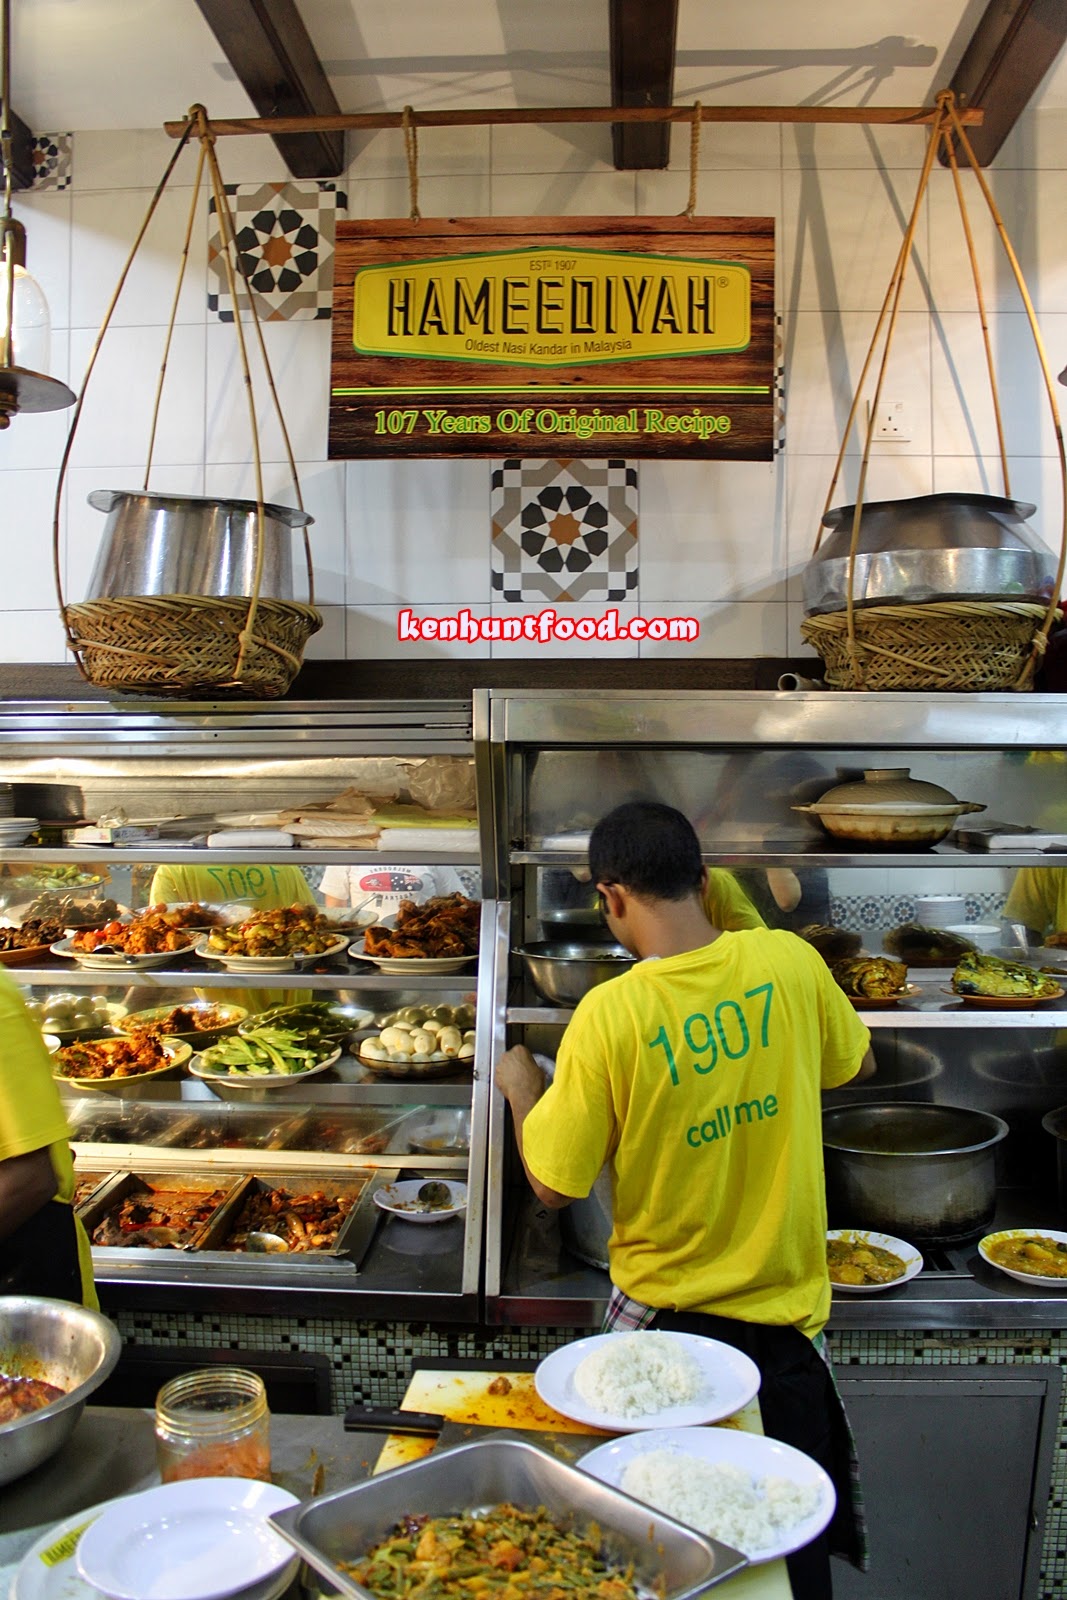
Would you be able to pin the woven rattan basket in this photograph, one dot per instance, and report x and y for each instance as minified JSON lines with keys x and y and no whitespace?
{"x":948,"y":645}
{"x":188,"y":644}
{"x":184,"y":645}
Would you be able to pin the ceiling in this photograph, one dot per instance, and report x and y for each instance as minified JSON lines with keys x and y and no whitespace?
{"x":99,"y":64}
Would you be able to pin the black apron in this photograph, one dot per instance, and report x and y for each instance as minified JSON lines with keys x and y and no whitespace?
{"x":41,"y":1257}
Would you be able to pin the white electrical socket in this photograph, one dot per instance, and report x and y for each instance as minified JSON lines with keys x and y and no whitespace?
{"x":892,"y":423}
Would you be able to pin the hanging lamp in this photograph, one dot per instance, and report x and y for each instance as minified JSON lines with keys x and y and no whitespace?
{"x":25,"y":326}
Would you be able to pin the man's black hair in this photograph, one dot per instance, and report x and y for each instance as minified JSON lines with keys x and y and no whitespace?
{"x":648,"y":848}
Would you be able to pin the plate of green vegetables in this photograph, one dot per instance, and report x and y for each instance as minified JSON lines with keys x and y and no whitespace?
{"x":264,"y":1058}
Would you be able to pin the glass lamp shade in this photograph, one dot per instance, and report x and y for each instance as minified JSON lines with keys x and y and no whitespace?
{"x":30,"y":345}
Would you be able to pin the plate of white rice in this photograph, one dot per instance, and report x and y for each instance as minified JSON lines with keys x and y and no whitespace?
{"x":756,"y":1494}
{"x":629,"y":1381}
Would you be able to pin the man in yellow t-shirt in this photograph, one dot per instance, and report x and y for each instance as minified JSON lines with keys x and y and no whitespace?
{"x":697,"y":1075}
{"x":43,"y":1247}
{"x":1038,"y":899}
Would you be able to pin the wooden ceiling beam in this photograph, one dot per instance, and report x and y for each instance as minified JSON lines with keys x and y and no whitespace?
{"x":1009,"y":53}
{"x":270,"y":50}
{"x":643,"y":38}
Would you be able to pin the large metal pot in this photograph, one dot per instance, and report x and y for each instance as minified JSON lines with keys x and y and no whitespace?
{"x":926,"y":1173}
{"x":931,"y":547}
{"x":157,"y":544}
{"x":60,"y":1343}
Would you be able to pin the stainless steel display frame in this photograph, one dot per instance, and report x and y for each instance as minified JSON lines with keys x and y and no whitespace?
{"x":510,"y":725}
{"x":68,"y":742}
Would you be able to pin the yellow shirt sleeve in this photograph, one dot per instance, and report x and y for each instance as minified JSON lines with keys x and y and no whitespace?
{"x":572,"y":1130}
{"x":726,"y":905}
{"x":31,"y":1112}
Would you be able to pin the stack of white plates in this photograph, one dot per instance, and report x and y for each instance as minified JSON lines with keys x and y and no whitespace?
{"x":16,"y":830}
{"x":198,"y":1539}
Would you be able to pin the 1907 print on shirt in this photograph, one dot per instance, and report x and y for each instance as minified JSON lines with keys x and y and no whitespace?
{"x":727,"y":1035}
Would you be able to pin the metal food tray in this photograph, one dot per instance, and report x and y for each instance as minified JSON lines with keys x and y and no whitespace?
{"x":352,"y":1237}
{"x":93,"y":1122}
{"x":234,"y":1127}
{"x":668,"y":1559}
{"x":350,"y":1128}
{"x":120,"y":1184}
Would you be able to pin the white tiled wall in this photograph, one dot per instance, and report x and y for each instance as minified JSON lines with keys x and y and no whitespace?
{"x":724,"y":542}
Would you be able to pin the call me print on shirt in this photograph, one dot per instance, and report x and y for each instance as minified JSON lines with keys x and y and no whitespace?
{"x":728,"y":1034}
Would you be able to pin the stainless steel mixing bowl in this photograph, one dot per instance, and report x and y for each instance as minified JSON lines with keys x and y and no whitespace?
{"x":562,"y":973}
{"x":59,"y":1343}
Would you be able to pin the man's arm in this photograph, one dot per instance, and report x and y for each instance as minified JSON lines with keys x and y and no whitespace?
{"x":27,"y":1183}
{"x":522,"y":1083}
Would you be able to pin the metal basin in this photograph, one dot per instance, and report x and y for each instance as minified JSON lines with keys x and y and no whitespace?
{"x":922,"y":1172}
{"x":156,"y":544}
{"x":59,"y":1343}
{"x":562,"y":973}
{"x":668,"y":1559}
{"x":931,"y":547}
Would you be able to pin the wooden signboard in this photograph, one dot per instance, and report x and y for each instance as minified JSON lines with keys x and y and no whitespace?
{"x":534,"y":336}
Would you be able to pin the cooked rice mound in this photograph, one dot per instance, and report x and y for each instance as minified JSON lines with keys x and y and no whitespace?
{"x":719,"y":1499}
{"x":634,"y":1374}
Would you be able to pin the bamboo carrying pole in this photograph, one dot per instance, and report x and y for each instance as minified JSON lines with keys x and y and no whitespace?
{"x":947,"y":127}
{"x":342,"y":122}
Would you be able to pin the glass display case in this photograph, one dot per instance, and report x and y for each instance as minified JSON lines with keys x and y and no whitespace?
{"x":230,"y":1190}
{"x":740,"y":764}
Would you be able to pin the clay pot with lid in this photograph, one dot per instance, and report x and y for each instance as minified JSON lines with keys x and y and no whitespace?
{"x":888,"y":807}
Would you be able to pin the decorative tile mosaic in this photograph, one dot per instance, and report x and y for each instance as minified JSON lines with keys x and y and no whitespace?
{"x":285,"y":236}
{"x":52,"y":160}
{"x":861,"y":911}
{"x":564,"y":530}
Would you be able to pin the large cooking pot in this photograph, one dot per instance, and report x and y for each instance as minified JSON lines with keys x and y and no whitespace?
{"x":931,"y":547}
{"x":159,"y":544}
{"x":925,"y":1173}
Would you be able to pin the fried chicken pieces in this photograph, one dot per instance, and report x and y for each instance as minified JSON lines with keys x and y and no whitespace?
{"x":447,"y":925}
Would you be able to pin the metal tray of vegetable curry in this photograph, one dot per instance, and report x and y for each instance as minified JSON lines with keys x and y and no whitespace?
{"x":255,"y":1218}
{"x":120,"y":1216}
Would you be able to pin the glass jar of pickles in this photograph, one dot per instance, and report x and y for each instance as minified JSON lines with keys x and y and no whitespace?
{"x":213,"y":1423}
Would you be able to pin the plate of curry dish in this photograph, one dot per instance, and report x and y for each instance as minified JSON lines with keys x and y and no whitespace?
{"x":131,"y":1058}
{"x":440,"y":935}
{"x":982,"y":980}
{"x":873,"y":981}
{"x":1030,"y":1255}
{"x":860,"y":1262}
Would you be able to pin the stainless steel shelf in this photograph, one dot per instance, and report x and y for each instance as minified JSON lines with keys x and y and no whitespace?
{"x":734,"y":854}
{"x":184,"y":978}
{"x":199,"y":856}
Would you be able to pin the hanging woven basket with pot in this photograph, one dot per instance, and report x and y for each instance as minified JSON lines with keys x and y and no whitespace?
{"x":970,"y":642}
{"x":200,"y":639}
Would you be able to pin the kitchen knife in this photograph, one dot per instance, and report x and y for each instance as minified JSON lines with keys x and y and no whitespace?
{"x":390,"y":1419}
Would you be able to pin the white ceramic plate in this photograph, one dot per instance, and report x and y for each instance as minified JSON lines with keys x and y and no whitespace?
{"x":48,"y":1570}
{"x":912,"y":1259}
{"x":1022,"y":1233}
{"x":237,"y":963}
{"x":199,"y":1539}
{"x":399,"y":1198}
{"x":730,"y":1382}
{"x":412,"y":966}
{"x":756,"y":1455}
{"x":91,"y":958}
{"x":252,"y":1080}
